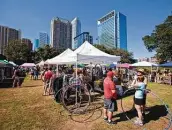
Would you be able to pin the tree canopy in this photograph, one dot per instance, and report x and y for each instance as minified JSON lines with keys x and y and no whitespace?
{"x":126,"y":57}
{"x":17,"y":51}
{"x":46,"y":52}
{"x":160,"y":40}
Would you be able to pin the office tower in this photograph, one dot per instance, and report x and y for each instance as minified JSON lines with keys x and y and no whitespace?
{"x":81,"y":38}
{"x":6,"y":35}
{"x":112,"y":30}
{"x":36,"y":44}
{"x":43,"y":39}
{"x":61,"y":33}
{"x":76,"y":30}
{"x":28,"y":43}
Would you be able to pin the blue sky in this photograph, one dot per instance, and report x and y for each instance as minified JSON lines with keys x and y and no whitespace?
{"x":34,"y":16}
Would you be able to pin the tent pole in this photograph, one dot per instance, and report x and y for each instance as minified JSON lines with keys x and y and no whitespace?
{"x":57,"y":68}
{"x":76,"y":98}
{"x":76,"y":65}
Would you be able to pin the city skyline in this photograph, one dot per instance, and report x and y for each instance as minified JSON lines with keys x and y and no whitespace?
{"x":142,"y":17}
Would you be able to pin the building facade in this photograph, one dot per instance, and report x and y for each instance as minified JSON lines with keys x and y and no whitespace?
{"x":112,"y":30}
{"x":61,"y":33}
{"x":81,"y":38}
{"x":36,"y":44}
{"x":6,"y":35}
{"x":76,"y":30}
{"x":43,"y":39}
{"x":28,"y":43}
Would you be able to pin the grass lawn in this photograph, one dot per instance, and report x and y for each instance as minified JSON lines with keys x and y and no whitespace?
{"x":26,"y":109}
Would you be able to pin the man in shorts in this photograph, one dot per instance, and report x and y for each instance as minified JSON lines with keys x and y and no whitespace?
{"x":110,"y":95}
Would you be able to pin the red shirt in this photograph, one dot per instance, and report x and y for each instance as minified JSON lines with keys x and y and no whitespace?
{"x":108,"y":87}
{"x":48,"y":75}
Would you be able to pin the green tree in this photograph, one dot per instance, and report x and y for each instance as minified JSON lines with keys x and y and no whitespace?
{"x":45,"y":52}
{"x":126,"y":57}
{"x":17,"y":51}
{"x":160,"y":40}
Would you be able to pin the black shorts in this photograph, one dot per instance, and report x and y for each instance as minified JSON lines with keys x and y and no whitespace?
{"x":110,"y":105}
{"x":142,"y":102}
{"x":139,"y":101}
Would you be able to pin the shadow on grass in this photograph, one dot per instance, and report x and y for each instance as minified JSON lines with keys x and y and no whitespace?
{"x":30,"y":86}
{"x":154,"y":113}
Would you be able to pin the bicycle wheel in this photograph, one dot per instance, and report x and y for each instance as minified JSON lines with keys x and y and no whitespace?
{"x":76,"y":98}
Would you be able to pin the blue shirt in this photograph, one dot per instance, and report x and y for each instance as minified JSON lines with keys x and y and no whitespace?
{"x":140,"y":92}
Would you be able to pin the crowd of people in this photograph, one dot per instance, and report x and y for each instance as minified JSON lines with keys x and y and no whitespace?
{"x":112,"y":80}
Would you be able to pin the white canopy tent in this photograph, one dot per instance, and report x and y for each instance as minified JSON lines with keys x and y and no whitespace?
{"x":144,"y":64}
{"x":41,"y":63}
{"x":68,"y":56}
{"x":28,"y":65}
{"x":86,"y":54}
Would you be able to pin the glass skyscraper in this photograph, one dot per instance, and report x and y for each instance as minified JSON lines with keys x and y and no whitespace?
{"x":36,"y":44}
{"x":43,"y":39}
{"x":112,"y":30}
{"x":81,"y":38}
{"x":76,"y":30}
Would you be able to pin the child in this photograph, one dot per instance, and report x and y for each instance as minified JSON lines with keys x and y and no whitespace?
{"x":139,"y":99}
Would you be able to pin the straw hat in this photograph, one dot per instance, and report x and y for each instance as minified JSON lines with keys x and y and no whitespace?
{"x":141,"y":71}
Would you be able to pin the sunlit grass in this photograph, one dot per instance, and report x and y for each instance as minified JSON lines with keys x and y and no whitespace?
{"x":26,"y":109}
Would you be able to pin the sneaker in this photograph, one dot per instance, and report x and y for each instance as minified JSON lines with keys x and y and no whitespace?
{"x":105,"y":119}
{"x":111,"y":122}
{"x":137,"y":122}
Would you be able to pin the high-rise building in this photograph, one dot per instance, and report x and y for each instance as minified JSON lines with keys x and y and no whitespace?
{"x":36,"y":44}
{"x":28,"y":43}
{"x":81,"y":38}
{"x":6,"y":35}
{"x":61,"y":33}
{"x":76,"y":30}
{"x":112,"y":30}
{"x":43,"y":39}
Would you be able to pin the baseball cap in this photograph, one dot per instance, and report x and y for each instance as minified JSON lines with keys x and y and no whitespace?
{"x":110,"y":74}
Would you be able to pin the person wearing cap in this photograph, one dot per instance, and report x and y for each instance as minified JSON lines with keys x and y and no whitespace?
{"x":110,"y":96}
